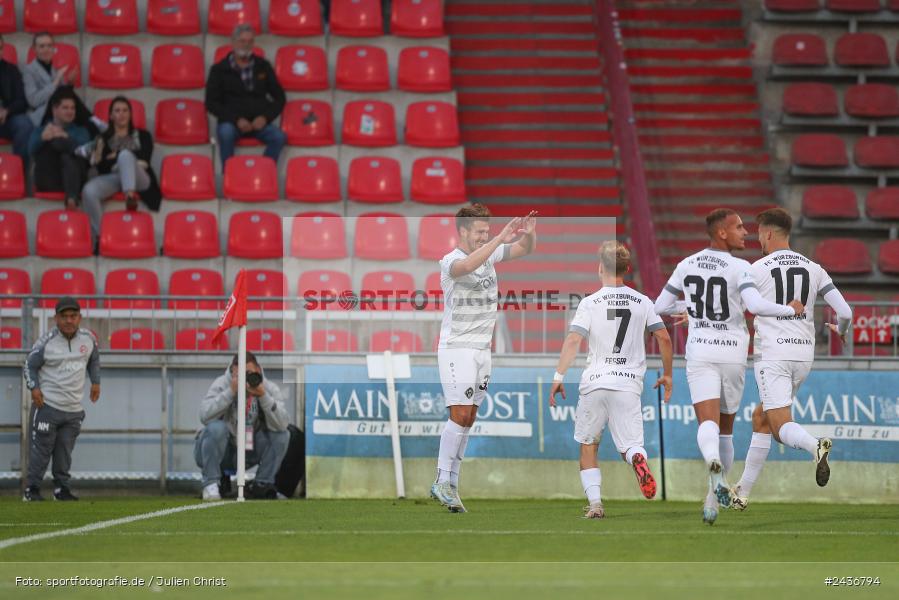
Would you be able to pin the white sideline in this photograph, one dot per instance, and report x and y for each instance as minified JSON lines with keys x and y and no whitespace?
{"x":104,"y":524}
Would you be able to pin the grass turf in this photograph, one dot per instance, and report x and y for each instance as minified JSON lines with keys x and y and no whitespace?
{"x":396,"y":549}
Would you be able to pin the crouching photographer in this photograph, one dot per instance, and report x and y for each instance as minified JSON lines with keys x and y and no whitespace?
{"x":266,"y":418}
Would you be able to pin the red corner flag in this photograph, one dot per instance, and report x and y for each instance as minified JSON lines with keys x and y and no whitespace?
{"x":235,"y":314}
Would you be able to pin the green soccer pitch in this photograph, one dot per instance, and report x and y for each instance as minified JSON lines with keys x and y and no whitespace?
{"x":416,"y":549}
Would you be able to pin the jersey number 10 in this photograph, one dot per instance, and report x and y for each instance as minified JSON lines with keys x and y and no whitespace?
{"x":791,"y":275}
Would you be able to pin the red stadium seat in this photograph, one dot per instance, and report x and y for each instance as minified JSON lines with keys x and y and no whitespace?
{"x":177,"y":67}
{"x":312,"y":179}
{"x":872,"y":100}
{"x":200,"y":340}
{"x":10,"y":54}
{"x":13,"y":281}
{"x":853,"y":6}
{"x":799,"y":50}
{"x":323,"y":287}
{"x":173,"y":17}
{"x":888,"y":257}
{"x":434,"y":291}
{"x":111,"y":17}
{"x":222,"y":52}
{"x":437,"y":236}
{"x":181,"y":122}
{"x":432,"y":125}
{"x":893,"y":5}
{"x":824,"y":150}
{"x":255,"y":234}
{"x":115,"y":66}
{"x":132,"y":282}
{"x":194,"y":283}
{"x":302,"y":68}
{"x":362,"y":69}
{"x":424,"y":69}
{"x":68,"y":282}
{"x":395,"y":340}
{"x":225,"y":15}
{"x":438,"y":180}
{"x":12,"y":177}
{"x":318,"y":235}
{"x":830,"y":202}
{"x":883,"y":204}
{"x":843,"y":256}
{"x":381,"y":236}
{"x":334,"y":340}
{"x":369,"y":123}
{"x":861,"y":50}
{"x":386,"y":290}
{"x":7,"y":16}
{"x":127,"y":234}
{"x":251,"y":179}
{"x":10,"y":338}
{"x":792,"y":6}
{"x":138,"y":338}
{"x":416,"y":18}
{"x":64,"y":234}
{"x":266,"y":283}
{"x":811,"y":99}
{"x":191,"y":234}
{"x":66,"y":55}
{"x":13,"y":234}
{"x":52,"y":16}
{"x":295,"y":18}
{"x":356,"y":18}
{"x":187,"y":177}
{"x":877,"y":152}
{"x":375,"y":179}
{"x":308,"y":123}
{"x":138,"y":111}
{"x":269,"y":340}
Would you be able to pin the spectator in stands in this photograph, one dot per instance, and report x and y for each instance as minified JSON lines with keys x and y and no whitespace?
{"x":14,"y":122}
{"x":121,"y":155}
{"x":243,"y":93}
{"x":57,"y":167}
{"x":42,"y":80}
{"x":267,"y":418}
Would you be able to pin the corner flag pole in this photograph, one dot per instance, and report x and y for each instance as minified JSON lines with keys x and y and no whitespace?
{"x":241,"y":411}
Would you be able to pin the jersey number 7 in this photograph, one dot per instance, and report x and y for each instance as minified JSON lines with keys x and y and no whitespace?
{"x":625,"y":315}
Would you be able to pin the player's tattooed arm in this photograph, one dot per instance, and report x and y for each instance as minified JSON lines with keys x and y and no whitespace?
{"x":667,"y":350}
{"x":528,"y":241}
{"x":569,"y":353}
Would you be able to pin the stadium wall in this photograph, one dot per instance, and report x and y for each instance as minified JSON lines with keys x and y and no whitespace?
{"x":523,"y":447}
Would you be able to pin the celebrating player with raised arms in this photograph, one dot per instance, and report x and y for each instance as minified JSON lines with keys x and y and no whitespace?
{"x":785,"y":347}
{"x":468,"y":279}
{"x":718,"y":288}
{"x":614,"y":320}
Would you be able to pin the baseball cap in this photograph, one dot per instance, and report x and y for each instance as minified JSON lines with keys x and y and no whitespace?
{"x":67,"y":303}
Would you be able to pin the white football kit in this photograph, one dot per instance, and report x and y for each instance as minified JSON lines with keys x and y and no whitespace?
{"x":614,"y":321}
{"x":469,"y":318}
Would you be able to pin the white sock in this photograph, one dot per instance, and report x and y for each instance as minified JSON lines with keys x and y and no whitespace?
{"x":629,"y":455}
{"x":795,"y":436}
{"x":591,"y":479}
{"x":450,"y":440}
{"x":726,"y":451}
{"x":707,"y":438}
{"x":457,"y":462}
{"x":755,"y":460}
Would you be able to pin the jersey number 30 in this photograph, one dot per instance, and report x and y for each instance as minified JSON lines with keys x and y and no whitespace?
{"x":702,"y":298}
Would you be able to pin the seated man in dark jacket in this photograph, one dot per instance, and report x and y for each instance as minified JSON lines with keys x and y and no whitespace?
{"x":14,"y":122}
{"x":243,"y":93}
{"x":56,"y":166}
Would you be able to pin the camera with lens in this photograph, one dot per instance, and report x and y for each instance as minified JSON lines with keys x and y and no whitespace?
{"x":253,"y":379}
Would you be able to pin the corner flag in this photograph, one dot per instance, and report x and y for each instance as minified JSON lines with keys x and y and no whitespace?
{"x":235,"y":314}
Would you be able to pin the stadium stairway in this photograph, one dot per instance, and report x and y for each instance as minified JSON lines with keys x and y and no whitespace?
{"x":532,"y":110}
{"x":698,"y":117}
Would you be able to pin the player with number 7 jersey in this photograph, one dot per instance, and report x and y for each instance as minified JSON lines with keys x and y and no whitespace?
{"x":718,"y":288}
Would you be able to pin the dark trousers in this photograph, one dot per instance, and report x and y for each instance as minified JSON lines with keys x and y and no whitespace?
{"x":53,"y":433}
{"x":57,"y":169}
{"x":18,"y":129}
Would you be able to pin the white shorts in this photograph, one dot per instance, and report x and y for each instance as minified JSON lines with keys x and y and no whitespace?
{"x":621,"y":410}
{"x":708,"y":381}
{"x":464,"y":374}
{"x":779,"y":381}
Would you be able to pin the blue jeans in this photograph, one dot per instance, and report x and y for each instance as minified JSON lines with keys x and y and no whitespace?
{"x":270,"y":135}
{"x":216,"y":448}
{"x":18,"y":128}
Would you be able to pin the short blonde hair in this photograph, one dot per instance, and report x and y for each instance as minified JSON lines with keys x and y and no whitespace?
{"x":614,"y":255}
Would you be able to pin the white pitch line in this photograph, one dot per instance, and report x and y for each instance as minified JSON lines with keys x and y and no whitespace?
{"x":104,"y":524}
{"x":496,"y":532}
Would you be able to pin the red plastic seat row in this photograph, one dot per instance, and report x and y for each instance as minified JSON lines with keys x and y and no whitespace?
{"x":409,"y":18}
{"x":848,"y":256}
{"x":364,"y":69}
{"x":372,"y":123}
{"x":852,"y":50}
{"x":341,"y":340}
{"x":826,"y":150}
{"x":145,"y":339}
{"x":866,"y":101}
{"x":839,"y":202}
